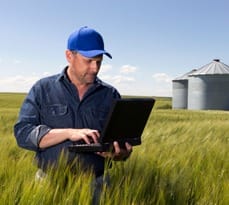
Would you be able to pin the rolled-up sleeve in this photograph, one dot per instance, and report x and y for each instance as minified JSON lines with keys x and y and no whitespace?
{"x":28,"y":130}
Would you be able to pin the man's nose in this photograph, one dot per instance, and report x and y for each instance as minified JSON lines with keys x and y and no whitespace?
{"x":95,"y":66}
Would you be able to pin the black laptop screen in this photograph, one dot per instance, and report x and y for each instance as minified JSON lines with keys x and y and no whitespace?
{"x":127,"y":119}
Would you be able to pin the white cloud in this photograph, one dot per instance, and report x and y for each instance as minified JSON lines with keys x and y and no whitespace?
{"x":106,"y":78}
{"x":46,"y":74}
{"x":105,"y":68}
{"x":106,"y":74}
{"x":162,"y":77}
{"x":126,"y":69}
{"x":16,"y":61}
{"x":122,"y":79}
{"x":17,"y":83}
{"x":117,"y":79}
{"x":125,"y":81}
{"x":159,"y":84}
{"x":162,"y":84}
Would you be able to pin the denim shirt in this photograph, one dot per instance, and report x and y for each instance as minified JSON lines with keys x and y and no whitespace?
{"x":53,"y":102}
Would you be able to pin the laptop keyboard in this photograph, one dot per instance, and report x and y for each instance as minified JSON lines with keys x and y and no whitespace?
{"x":93,"y":147}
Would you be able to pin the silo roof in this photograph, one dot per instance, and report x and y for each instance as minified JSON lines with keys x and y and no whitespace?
{"x":214,"y":68}
{"x":185,"y":76}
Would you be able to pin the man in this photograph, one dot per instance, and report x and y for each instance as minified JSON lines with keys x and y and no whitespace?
{"x":70,"y":107}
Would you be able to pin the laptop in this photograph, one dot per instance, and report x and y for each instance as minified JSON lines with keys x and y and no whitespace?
{"x":125,"y":122}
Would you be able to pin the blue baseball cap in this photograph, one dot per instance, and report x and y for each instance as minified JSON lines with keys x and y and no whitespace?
{"x":87,"y":42}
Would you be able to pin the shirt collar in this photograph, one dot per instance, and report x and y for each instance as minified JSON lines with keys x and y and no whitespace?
{"x":63,"y":76}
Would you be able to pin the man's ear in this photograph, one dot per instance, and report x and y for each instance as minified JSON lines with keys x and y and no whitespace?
{"x":68,"y":55}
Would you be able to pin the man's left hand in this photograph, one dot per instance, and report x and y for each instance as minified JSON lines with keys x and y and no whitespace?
{"x":118,"y":152}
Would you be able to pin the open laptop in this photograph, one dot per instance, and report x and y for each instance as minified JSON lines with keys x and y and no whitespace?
{"x":125,"y":123}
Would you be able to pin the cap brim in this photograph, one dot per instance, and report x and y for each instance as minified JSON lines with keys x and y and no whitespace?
{"x":93,"y":53}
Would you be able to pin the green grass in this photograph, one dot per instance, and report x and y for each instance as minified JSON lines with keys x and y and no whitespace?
{"x":183,"y":159}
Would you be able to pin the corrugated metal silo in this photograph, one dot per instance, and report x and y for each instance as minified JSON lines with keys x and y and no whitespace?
{"x":180,"y":91}
{"x":208,"y":87}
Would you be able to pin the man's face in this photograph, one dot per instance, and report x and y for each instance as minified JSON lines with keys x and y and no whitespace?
{"x":84,"y":69}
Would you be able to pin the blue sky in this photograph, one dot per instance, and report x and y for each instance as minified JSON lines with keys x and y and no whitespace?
{"x":151,"y":41}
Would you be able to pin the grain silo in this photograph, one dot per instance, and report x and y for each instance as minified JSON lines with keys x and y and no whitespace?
{"x":180,"y":91}
{"x":208,"y":87}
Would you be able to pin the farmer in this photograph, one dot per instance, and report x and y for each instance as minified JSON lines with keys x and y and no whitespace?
{"x":69,"y":107}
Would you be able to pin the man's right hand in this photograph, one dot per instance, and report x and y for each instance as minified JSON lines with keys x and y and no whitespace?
{"x":56,"y":136}
{"x":88,"y":135}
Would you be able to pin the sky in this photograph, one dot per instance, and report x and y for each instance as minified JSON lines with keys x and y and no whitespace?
{"x":151,"y":41}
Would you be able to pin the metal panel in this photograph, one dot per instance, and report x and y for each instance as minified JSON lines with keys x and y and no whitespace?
{"x":208,"y":92}
{"x":215,"y":67}
{"x":180,"y":94}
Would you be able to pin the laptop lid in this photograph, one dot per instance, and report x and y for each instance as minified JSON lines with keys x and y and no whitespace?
{"x":126,"y":120}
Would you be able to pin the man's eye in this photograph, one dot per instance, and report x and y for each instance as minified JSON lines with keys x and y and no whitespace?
{"x":88,"y":60}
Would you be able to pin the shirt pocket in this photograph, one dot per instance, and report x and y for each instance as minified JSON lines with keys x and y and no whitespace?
{"x":56,"y":116}
{"x":56,"y":110}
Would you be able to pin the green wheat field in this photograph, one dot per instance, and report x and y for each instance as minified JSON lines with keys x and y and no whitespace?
{"x":183,"y":159}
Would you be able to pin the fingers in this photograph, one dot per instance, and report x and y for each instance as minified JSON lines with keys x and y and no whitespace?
{"x":128,"y":147}
{"x":87,"y":135}
{"x":119,"y":150}
{"x":121,"y":153}
{"x":90,"y":136}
